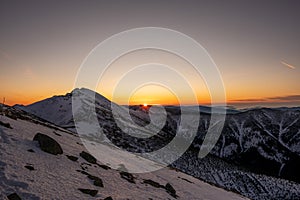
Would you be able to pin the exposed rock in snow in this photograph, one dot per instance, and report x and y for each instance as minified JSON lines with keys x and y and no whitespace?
{"x":48,"y":144}
{"x":127,"y":176}
{"x":73,"y":158}
{"x":169,"y":188}
{"x":88,"y":157}
{"x":13,"y":196}
{"x":89,"y":191}
{"x":7,"y":125}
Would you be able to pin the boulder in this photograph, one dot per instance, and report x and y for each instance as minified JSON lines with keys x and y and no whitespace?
{"x":153,"y":183}
{"x":7,"y":125}
{"x":127,"y":176}
{"x":88,"y":157}
{"x":73,"y":158}
{"x":89,"y":191}
{"x":13,"y":196}
{"x":48,"y":144}
{"x":169,"y":189}
{"x":97,"y":181}
{"x":31,"y":168}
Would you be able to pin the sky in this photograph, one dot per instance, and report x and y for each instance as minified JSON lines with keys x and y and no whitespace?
{"x":255,"y":45}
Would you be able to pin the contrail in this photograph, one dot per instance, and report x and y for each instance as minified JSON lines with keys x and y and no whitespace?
{"x":288,"y":65}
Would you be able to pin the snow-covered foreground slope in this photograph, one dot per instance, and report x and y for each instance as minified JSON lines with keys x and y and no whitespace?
{"x":34,"y":174}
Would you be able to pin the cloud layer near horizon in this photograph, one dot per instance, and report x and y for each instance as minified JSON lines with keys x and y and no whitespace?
{"x":287,"y":98}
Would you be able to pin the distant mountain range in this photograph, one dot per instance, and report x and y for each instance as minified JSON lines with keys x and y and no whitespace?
{"x":257,"y":155}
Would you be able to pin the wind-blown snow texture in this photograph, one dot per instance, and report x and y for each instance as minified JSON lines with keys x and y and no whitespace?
{"x":257,"y":154}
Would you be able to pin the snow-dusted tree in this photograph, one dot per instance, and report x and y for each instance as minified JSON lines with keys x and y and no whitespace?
{"x":277,"y":126}
{"x":238,"y":131}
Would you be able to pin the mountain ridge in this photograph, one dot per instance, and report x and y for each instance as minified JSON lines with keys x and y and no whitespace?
{"x":263,"y":140}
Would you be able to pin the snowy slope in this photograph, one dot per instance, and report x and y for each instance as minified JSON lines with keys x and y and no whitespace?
{"x":266,"y":140}
{"x":57,"y":177}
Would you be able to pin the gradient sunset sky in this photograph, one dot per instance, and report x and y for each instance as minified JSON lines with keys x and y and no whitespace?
{"x":255,"y":44}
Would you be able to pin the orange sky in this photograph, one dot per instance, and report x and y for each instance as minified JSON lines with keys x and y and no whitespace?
{"x":242,"y":86}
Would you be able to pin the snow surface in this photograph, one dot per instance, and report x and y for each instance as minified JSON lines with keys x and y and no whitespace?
{"x":56,"y":177}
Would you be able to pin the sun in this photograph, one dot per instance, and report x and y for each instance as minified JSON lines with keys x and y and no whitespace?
{"x":145,"y":105}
